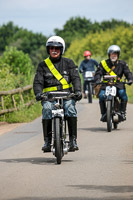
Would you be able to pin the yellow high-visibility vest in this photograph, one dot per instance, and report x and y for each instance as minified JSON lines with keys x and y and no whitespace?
{"x":107,"y":69}
{"x":57,"y":75}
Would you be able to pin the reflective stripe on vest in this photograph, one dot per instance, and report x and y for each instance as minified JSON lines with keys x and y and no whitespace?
{"x":57,"y":75}
{"x":107,"y":69}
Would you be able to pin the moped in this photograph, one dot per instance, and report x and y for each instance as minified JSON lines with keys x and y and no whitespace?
{"x":113,"y":109}
{"x":60,"y":143}
{"x":88,"y":80}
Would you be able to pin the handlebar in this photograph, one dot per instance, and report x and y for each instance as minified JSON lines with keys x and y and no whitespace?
{"x":110,"y":80}
{"x":57,"y":95}
{"x":114,"y":83}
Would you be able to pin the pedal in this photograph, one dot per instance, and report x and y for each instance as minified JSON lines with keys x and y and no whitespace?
{"x":65,"y":150}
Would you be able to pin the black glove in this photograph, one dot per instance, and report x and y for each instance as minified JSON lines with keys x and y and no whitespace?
{"x":80,"y":71}
{"x":38,"y":97}
{"x":130,"y":82}
{"x":78,"y":96}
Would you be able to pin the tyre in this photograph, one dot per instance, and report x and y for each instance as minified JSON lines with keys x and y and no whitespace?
{"x":109,"y":116}
{"x":115,"y":125}
{"x":57,"y":140}
{"x":89,"y":93}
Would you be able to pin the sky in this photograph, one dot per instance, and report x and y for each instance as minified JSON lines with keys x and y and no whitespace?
{"x":43,"y":16}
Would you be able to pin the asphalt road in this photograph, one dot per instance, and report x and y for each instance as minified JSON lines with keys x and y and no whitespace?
{"x":102,"y":169}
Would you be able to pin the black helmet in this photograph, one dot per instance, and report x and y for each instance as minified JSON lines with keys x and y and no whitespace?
{"x":114,"y":49}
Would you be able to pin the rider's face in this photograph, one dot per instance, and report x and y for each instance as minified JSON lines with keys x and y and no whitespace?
{"x":54,"y":52}
{"x":87,"y":57}
{"x":113,"y":57}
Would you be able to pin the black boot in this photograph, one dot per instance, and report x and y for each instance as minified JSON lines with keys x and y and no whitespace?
{"x":72,"y":128}
{"x":123,"y":110}
{"x":103,"y":111}
{"x":47,"y":133}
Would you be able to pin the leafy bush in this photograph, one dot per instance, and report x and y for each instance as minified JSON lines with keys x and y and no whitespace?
{"x":16,"y":70}
{"x":19,"y":62}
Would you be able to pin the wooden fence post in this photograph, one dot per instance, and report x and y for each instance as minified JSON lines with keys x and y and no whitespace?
{"x":11,"y":93}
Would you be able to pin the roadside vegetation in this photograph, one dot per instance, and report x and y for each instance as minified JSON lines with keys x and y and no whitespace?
{"x":21,"y":51}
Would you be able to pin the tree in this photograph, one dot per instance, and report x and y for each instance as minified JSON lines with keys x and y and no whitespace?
{"x":29,"y":41}
{"x":77,"y":28}
{"x":22,"y":39}
{"x":99,"y":42}
{"x":6,"y":34}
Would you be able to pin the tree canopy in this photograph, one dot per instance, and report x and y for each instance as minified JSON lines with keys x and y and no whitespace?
{"x":21,"y":50}
{"x":22,"y":39}
{"x":77,"y":27}
{"x":99,"y":42}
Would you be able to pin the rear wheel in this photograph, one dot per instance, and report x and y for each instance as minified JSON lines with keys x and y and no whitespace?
{"x":109,"y":116}
{"x":57,"y":141}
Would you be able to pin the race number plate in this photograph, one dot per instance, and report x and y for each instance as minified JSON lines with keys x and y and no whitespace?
{"x":58,"y":112}
{"x":88,"y":74}
{"x":110,"y":90}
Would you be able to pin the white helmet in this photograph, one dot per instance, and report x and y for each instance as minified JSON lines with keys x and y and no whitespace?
{"x":55,"y":41}
{"x":114,"y":49}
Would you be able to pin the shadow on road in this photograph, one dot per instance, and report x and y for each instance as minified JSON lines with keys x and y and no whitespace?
{"x":104,"y":188}
{"x":74,"y":198}
{"x":116,"y":192}
{"x":128,"y":161}
{"x":36,"y":160}
{"x":94,"y":129}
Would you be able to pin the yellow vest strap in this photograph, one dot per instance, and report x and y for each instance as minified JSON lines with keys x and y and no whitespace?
{"x":107,"y":69}
{"x":49,"y":89}
{"x":57,"y":75}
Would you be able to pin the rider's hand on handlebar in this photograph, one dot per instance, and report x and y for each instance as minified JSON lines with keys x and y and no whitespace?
{"x":80,"y":71}
{"x":38,"y":96}
{"x":130,"y":82}
{"x":78,"y":95}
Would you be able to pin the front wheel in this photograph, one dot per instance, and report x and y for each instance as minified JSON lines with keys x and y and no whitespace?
{"x":57,"y":140}
{"x":89,"y":92}
{"x":115,"y":125}
{"x":109,"y":116}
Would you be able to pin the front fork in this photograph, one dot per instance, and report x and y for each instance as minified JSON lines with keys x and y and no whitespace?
{"x":65,"y":148}
{"x":114,"y":108}
{"x":111,"y":98}
{"x":62,"y":136}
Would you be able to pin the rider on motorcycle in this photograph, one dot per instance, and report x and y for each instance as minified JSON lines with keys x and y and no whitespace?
{"x":57,"y":73}
{"x":87,"y":64}
{"x":119,"y":68}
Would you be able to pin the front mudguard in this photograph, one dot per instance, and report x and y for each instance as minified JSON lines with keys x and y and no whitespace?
{"x":109,"y":98}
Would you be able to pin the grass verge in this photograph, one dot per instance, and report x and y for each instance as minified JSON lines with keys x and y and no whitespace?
{"x":129,"y":90}
{"x":25,"y":114}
